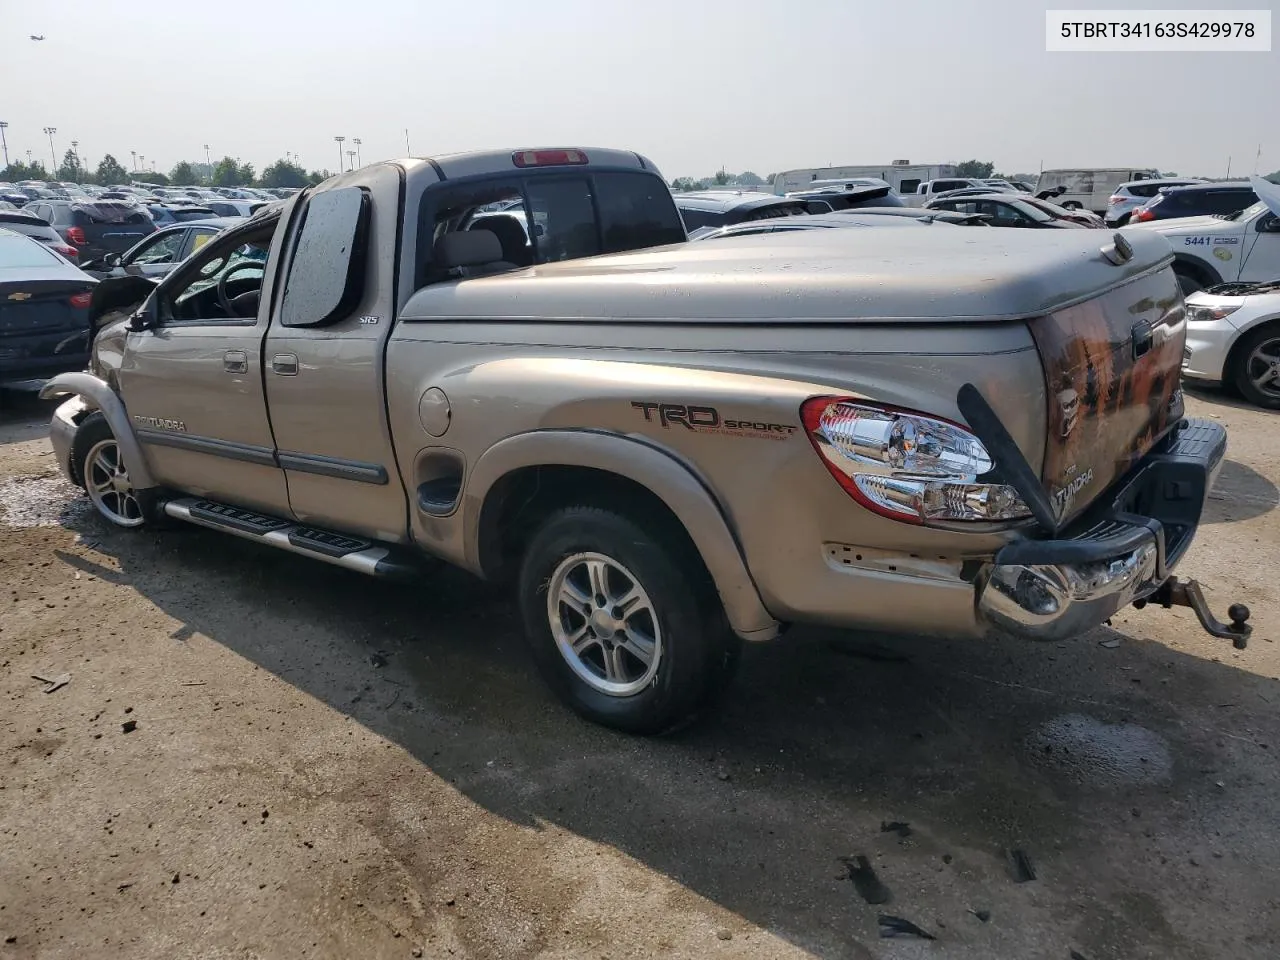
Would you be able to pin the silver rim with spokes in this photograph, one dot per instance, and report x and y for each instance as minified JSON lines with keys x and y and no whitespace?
{"x":1263,"y":367}
{"x":108,"y":486}
{"x":604,"y":624}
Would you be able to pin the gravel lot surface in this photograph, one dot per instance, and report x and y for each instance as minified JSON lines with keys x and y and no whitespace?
{"x":322,"y":765}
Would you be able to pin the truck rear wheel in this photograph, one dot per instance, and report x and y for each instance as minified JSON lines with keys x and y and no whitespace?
{"x":618,"y":625}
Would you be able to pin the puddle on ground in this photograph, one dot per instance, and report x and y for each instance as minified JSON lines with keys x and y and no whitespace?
{"x":41,"y":502}
{"x":1096,"y":754}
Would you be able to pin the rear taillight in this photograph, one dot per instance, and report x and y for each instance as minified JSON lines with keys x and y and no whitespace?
{"x":1142,"y":215}
{"x":66,"y":251}
{"x":905,"y":465}
{"x":81,"y":300}
{"x":1113,"y":200}
{"x":76,"y":236}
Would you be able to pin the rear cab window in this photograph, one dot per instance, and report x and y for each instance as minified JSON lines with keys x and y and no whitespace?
{"x":552,"y":216}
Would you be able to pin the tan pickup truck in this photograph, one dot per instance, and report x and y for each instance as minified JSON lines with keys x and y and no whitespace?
{"x":514,"y":362}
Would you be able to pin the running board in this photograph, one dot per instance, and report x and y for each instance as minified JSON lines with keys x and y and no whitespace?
{"x":353,"y":553}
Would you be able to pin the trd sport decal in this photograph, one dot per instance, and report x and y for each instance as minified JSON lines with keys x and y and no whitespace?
{"x":708,"y":420}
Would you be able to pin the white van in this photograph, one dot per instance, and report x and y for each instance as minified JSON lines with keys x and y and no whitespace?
{"x":1090,"y":188}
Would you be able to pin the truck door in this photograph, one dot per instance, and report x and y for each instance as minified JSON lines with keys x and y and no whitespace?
{"x":193,"y":382}
{"x":323,"y":361}
{"x":1262,"y":248}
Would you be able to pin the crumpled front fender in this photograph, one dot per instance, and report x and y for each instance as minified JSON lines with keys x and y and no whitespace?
{"x":98,"y":393}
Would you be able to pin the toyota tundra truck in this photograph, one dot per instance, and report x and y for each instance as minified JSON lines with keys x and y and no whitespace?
{"x":515,"y":363}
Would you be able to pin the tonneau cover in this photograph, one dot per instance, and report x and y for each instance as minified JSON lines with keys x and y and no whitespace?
{"x":815,"y":276}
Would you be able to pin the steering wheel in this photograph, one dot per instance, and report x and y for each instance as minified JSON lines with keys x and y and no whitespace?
{"x":224,"y":298}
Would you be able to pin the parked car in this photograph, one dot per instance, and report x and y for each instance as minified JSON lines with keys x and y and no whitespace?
{"x":854,"y":197}
{"x":1130,"y":196}
{"x":720,"y":208}
{"x":95,"y":228}
{"x":915,"y":213}
{"x":666,"y":448}
{"x":167,"y":213}
{"x":1085,"y":218}
{"x":1233,"y":339}
{"x":1004,"y":209}
{"x":1089,"y":188}
{"x":1241,"y":246}
{"x":44,"y":311}
{"x":933,"y":188}
{"x":822,"y":221}
{"x":1197,"y":200}
{"x":159,"y":253}
{"x":10,"y":193}
{"x":234,"y":208}
{"x":1004,"y":186}
{"x":39,"y":230}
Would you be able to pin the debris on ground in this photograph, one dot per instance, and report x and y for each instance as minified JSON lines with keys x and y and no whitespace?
{"x":52,"y":683}
{"x":865,"y":881}
{"x":129,"y":726}
{"x":379,"y":659}
{"x":983,"y":915}
{"x":1023,"y":872}
{"x":891,"y":926}
{"x":124,"y":886}
{"x":724,"y":934}
{"x":1110,"y":643}
{"x":1077,"y":955}
{"x":900,"y":827}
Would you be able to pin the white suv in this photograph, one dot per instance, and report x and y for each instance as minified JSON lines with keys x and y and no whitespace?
{"x":1233,"y":338}
{"x":1130,"y":196}
{"x":1244,"y":246}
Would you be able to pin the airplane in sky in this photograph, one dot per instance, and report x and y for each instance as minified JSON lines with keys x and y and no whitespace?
{"x":34,"y":37}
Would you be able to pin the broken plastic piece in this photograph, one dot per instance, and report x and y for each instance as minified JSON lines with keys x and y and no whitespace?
{"x":983,"y":915}
{"x":891,"y":926}
{"x":900,"y":827}
{"x":865,"y":880}
{"x":52,"y":683}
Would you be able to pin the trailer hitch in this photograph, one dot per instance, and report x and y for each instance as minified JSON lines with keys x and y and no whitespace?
{"x":1187,"y":593}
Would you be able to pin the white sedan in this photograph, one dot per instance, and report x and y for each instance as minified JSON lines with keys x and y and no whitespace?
{"x":1233,"y":338}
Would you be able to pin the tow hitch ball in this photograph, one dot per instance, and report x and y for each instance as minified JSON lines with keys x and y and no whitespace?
{"x":1187,"y":593}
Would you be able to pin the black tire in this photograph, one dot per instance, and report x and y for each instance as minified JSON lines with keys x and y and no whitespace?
{"x":1188,"y":283}
{"x":697,"y":652}
{"x":93,"y":430}
{"x":1238,"y":373}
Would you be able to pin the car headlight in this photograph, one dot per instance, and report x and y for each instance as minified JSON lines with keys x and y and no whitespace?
{"x":1202,"y":313}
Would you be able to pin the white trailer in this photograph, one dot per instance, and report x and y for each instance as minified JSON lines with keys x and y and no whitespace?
{"x":902,"y":176}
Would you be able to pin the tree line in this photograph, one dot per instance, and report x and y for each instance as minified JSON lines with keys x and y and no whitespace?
{"x":224,"y":173}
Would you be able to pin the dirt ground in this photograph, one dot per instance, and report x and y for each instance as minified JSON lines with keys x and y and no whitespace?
{"x":329,"y":766}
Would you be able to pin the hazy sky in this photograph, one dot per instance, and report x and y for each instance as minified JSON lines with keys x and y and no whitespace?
{"x":693,"y":84}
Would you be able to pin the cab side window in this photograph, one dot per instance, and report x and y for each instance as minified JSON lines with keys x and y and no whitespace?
{"x":163,"y":249}
{"x":221,"y":283}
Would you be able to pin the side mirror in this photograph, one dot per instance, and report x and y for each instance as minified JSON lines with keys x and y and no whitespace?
{"x":146,"y":317}
{"x":111,"y":260}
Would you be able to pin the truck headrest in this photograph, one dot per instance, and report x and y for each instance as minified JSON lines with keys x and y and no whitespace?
{"x":468,"y":248}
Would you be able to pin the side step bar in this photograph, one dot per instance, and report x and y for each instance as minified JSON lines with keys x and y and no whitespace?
{"x":363,"y":556}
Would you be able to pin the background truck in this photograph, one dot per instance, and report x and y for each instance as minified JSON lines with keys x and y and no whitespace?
{"x":665,"y":448}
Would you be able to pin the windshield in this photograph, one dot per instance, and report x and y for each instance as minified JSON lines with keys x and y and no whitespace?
{"x":1031,"y":210}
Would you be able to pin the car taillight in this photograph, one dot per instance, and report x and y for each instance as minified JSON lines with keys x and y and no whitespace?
{"x":1114,"y":199}
{"x":76,"y":236}
{"x":81,"y":300}
{"x":1142,"y":215}
{"x":547,"y":158}
{"x":66,"y":251}
{"x":907,"y":466}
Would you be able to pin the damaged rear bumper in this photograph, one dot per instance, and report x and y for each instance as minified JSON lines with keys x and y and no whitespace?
{"x":1123,"y":550}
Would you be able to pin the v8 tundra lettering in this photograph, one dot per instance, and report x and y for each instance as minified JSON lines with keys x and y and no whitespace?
{"x":527,"y":299}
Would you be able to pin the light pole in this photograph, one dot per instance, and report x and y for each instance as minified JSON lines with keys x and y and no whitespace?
{"x":52,"y":152}
{"x":75,"y":152}
{"x":351,"y":156}
{"x":134,"y":154}
{"x":357,"y":141}
{"x":4,"y":142}
{"x":339,"y":139}
{"x":143,"y":160}
{"x":207,"y":161}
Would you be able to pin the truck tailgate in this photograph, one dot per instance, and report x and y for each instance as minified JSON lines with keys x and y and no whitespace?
{"x":1111,"y":367}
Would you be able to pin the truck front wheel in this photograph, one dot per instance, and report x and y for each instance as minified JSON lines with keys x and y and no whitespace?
{"x":618,"y":624}
{"x":99,"y":463}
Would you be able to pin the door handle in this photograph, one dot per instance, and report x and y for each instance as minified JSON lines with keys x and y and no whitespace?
{"x":235,"y":361}
{"x":285,"y":364}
